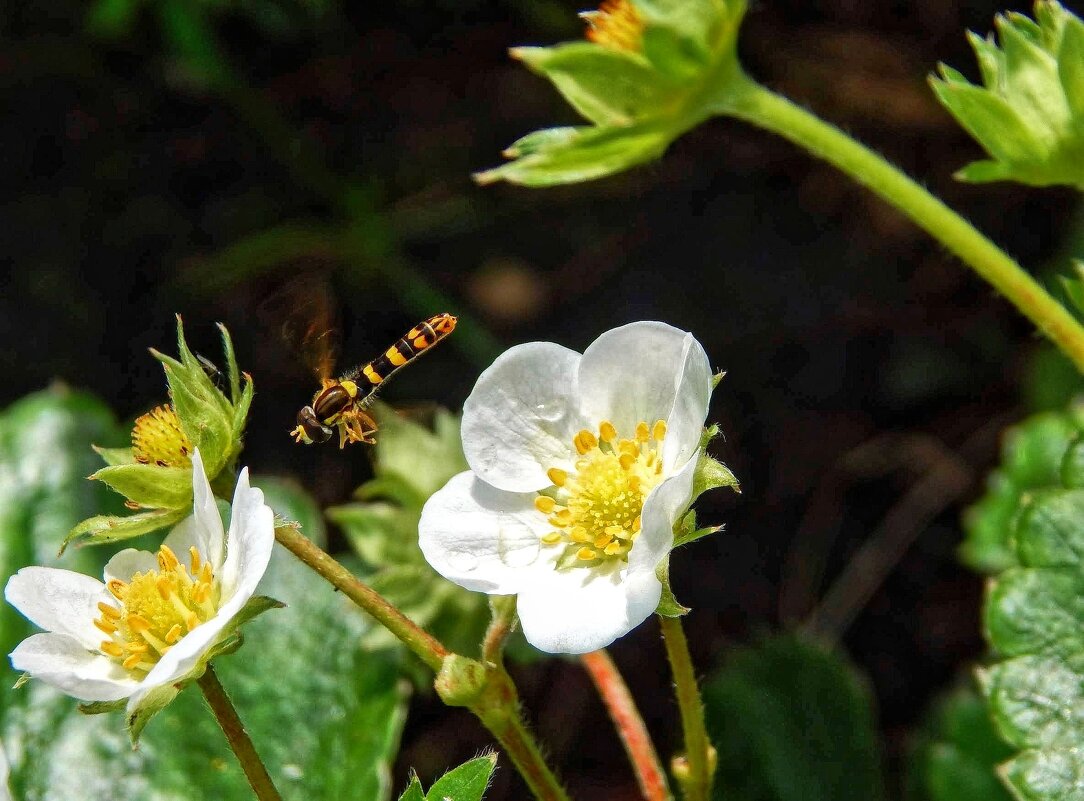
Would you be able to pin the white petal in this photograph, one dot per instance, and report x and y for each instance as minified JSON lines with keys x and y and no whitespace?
{"x":685,"y":423}
{"x":664,"y":505}
{"x":128,"y":562}
{"x":480,"y":537}
{"x":520,"y":417}
{"x":206,"y":523}
{"x":58,"y":600}
{"x":637,"y":372}
{"x":62,"y":662}
{"x":576,"y":611}
{"x":250,"y":541}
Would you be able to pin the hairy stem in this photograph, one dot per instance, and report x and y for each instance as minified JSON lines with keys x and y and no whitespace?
{"x":695,"y":771}
{"x":237,"y":737}
{"x":423,"y":644}
{"x":630,"y":725}
{"x":759,"y":106}
{"x":503,"y":622}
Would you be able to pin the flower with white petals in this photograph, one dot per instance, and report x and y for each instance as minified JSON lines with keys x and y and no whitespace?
{"x":581,"y":465}
{"x":158,"y":617}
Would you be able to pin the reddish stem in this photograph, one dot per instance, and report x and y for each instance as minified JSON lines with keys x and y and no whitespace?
{"x":630,"y":725}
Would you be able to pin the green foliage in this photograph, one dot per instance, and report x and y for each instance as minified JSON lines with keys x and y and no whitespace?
{"x":310,"y":696}
{"x":468,"y":782}
{"x":45,"y":456}
{"x":1034,"y":614}
{"x":1033,"y":455}
{"x":792,"y":722}
{"x":1029,"y":115}
{"x":959,"y":752}
{"x":654,"y":70}
{"x":411,"y":462}
{"x":211,"y":421}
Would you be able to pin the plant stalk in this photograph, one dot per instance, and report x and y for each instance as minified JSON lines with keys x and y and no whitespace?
{"x":766,"y":109}
{"x":630,"y":725}
{"x":238,"y":738}
{"x":694,"y":772}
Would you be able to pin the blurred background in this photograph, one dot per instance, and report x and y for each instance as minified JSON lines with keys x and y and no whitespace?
{"x":198,"y":156}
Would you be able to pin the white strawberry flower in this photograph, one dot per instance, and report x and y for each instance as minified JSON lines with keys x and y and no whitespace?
{"x":581,"y":465}
{"x":158,"y":617}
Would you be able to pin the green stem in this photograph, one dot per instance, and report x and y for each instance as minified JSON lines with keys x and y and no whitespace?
{"x":238,"y":738}
{"x":693,"y":772}
{"x":502,"y":623}
{"x":753,"y":103}
{"x":423,"y":644}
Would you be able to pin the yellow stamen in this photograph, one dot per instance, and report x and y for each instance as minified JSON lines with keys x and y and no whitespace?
{"x":132,"y":661}
{"x":579,"y":534}
{"x":658,"y":432}
{"x":602,"y":540}
{"x":117,"y":588}
{"x":167,"y":560}
{"x":585,"y":554}
{"x":138,"y":624}
{"x":557,"y":476}
{"x":613,"y":548}
{"x":544,"y":504}
{"x":642,"y":432}
{"x":606,"y":431}
{"x":108,"y":611}
{"x":193,"y":559}
{"x":105,"y":626}
{"x":174,"y":634}
{"x":111,"y":648}
{"x":616,"y":25}
{"x":552,"y":538}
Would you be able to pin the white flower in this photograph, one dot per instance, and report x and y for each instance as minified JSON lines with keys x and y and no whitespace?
{"x":155,"y":619}
{"x":580,"y":467}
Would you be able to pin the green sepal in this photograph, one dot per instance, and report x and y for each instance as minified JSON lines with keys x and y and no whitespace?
{"x":114,"y":528}
{"x":668,"y":604}
{"x":712,"y":474}
{"x":102,"y":707}
{"x":149,"y":485}
{"x":606,"y":86}
{"x":114,"y":456}
{"x":1029,"y":113}
{"x":414,"y":791}
{"x":586,"y":154}
{"x":716,"y":379}
{"x":468,"y":782}
{"x":253,"y":608}
{"x":152,"y":703}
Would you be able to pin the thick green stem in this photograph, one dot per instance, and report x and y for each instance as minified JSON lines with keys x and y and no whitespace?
{"x":759,"y":106}
{"x":237,"y":737}
{"x":423,"y":644}
{"x":694,"y":772}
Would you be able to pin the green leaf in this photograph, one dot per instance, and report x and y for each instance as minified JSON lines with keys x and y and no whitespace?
{"x":984,"y":172}
{"x":1032,"y":456}
{"x":468,"y":782}
{"x":1036,"y":612}
{"x":792,"y":722}
{"x":1049,"y":531}
{"x":606,"y":86}
{"x":957,"y":760}
{"x":1037,"y":702}
{"x":423,"y":458}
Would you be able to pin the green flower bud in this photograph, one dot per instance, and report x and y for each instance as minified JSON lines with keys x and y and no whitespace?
{"x":651,"y":70}
{"x":1029,"y":115}
{"x":155,"y":474}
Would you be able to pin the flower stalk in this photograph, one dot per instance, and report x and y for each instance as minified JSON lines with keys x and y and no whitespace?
{"x":423,"y":644}
{"x":629,"y":723}
{"x":766,"y":109}
{"x":238,"y":738}
{"x":694,"y":770}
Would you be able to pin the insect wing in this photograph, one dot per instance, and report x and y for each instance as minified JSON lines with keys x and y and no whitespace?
{"x":305,"y":312}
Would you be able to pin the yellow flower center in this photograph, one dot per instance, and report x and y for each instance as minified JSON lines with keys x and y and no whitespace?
{"x":595,"y":511}
{"x":157,"y":609}
{"x":617,"y":25}
{"x":157,"y":438}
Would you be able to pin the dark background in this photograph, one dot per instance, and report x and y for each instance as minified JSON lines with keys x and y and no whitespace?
{"x":146,"y":171}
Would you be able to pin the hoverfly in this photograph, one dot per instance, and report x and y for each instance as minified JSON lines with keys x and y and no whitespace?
{"x":341,"y":402}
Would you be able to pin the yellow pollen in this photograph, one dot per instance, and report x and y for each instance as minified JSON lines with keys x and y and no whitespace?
{"x":158,"y":609}
{"x":616,"y":25}
{"x":595,"y":510}
{"x":158,"y":438}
